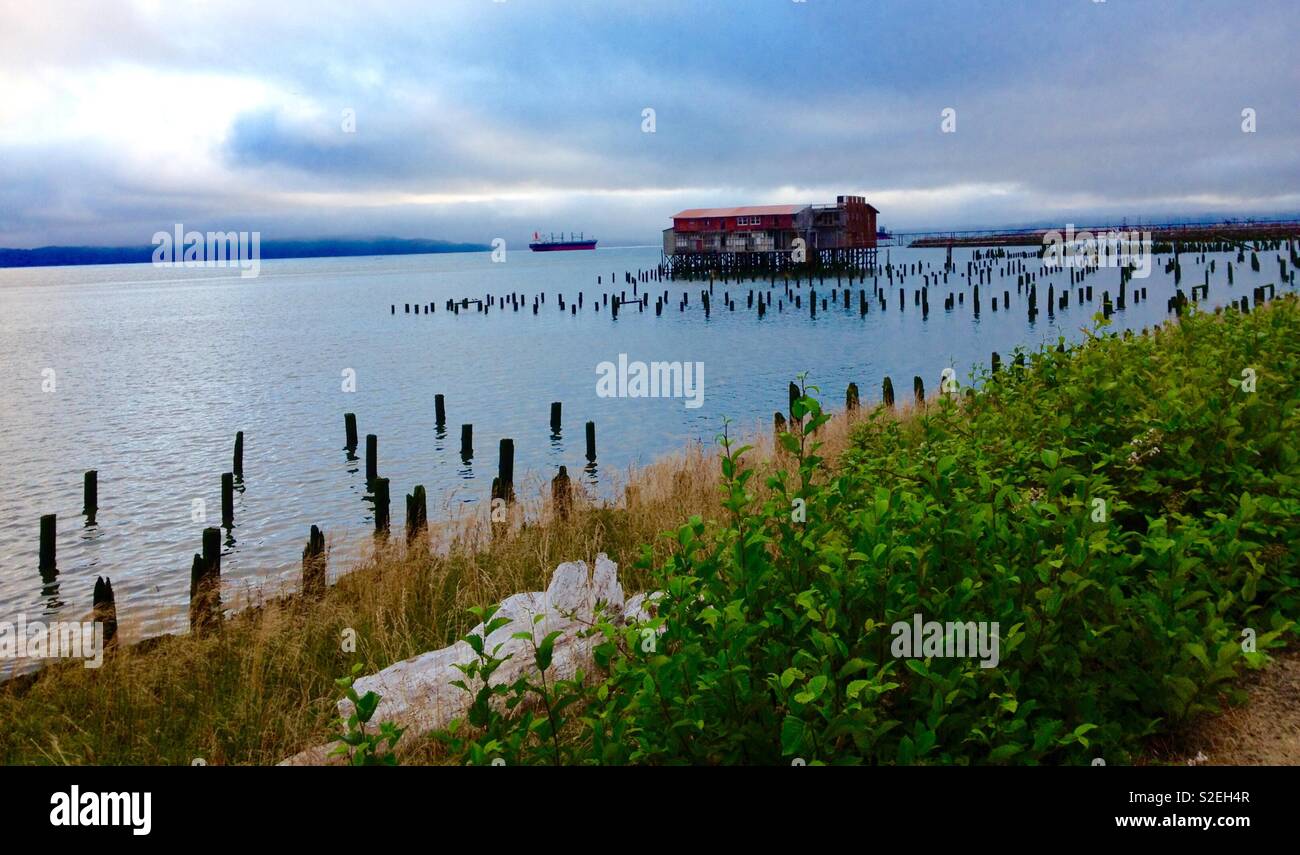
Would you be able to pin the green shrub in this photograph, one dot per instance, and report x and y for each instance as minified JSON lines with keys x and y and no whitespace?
{"x":1124,"y":511}
{"x":364,"y":746}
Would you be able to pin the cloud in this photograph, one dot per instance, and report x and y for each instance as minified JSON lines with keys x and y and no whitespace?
{"x":476,"y":119}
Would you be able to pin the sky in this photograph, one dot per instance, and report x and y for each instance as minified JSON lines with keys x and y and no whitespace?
{"x":469,"y":120}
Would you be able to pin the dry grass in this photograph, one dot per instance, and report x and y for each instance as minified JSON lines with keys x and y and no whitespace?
{"x":1265,"y":731}
{"x":261,"y":688}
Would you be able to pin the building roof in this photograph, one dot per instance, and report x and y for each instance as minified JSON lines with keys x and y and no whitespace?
{"x":746,"y":211}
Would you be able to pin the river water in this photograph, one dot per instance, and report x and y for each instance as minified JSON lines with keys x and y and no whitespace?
{"x":145,"y":374}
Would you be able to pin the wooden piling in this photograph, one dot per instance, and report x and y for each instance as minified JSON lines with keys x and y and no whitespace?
{"x":505,"y":481}
{"x":205,"y":583}
{"x":562,"y":493}
{"x":350,"y":431}
{"x":918,"y":389}
{"x":381,"y":504}
{"x":90,"y":496}
{"x":228,"y":500}
{"x":591,"y":442}
{"x":372,"y":458}
{"x":466,"y":442}
{"x":887,"y":392}
{"x":555,"y":417}
{"x":851,"y":398}
{"x":439,"y":411}
{"x":49,"y":525}
{"x":417,"y":513}
{"x":103,"y":610}
{"x":313,"y":564}
{"x":237,"y":467}
{"x":212,"y":547}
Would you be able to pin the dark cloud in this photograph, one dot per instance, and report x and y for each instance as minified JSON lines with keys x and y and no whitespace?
{"x":1069,"y":110}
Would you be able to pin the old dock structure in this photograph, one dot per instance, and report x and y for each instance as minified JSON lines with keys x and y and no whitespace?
{"x":761,"y":240}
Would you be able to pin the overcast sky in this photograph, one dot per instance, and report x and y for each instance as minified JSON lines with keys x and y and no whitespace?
{"x":482,"y":119}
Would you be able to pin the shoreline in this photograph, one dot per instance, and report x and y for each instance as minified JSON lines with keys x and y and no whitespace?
{"x":403,"y":602}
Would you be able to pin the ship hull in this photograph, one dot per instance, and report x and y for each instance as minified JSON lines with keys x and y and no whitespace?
{"x":561,"y":246}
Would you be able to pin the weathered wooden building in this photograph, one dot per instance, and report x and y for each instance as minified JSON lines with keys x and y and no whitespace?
{"x":769,"y":235}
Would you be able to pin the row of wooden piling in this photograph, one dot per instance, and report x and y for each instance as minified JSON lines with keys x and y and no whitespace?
{"x":976,"y":274}
{"x":853,"y":398}
{"x":502,"y":485}
{"x":204,"y":593}
{"x":980,"y":270}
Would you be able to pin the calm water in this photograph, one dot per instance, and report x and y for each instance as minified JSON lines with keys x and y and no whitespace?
{"x":156,"y":370}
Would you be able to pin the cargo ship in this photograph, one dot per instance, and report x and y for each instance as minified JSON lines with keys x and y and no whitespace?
{"x":560,"y":244}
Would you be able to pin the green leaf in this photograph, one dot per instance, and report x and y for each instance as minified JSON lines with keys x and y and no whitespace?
{"x":545,"y":650}
{"x":366,"y":705}
{"x":792,"y":735}
{"x":812,"y":691}
{"x":1003,"y":753}
{"x":1197,"y":652}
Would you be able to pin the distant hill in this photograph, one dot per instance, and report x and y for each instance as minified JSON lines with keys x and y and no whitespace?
{"x":50,"y":256}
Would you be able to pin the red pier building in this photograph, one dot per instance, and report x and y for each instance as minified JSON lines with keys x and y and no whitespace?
{"x":763,"y":235}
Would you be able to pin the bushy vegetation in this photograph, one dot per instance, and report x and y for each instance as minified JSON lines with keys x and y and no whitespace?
{"x":1125,"y":511}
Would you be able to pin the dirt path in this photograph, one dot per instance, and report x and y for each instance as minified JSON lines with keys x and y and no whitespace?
{"x":1265,"y":731}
